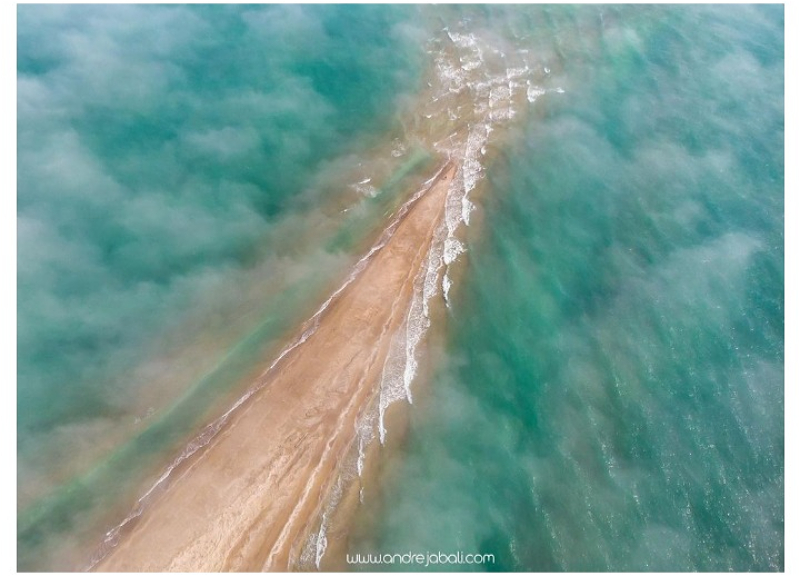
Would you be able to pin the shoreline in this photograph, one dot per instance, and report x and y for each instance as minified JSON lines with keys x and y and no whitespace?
{"x":242,"y":503}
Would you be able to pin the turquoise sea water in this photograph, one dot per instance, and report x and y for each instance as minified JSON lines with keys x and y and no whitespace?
{"x":610,"y":396}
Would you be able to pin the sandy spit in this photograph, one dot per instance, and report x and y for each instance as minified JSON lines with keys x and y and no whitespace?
{"x":247,"y":500}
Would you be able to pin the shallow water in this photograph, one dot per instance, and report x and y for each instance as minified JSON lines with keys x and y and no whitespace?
{"x":193,"y":181}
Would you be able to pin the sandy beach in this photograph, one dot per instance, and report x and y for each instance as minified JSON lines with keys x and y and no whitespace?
{"x":246,"y":502}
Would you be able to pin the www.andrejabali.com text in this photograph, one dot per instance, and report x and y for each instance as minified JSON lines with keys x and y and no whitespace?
{"x":420,"y":558}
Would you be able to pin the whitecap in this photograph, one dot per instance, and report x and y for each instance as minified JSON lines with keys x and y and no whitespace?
{"x":534,"y":92}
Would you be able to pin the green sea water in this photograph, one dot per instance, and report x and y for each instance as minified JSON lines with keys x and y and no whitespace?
{"x":612,"y":397}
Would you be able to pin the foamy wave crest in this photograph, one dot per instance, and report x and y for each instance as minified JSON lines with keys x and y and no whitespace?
{"x":365,"y":434}
{"x":315,"y":546}
{"x":498,"y":81}
{"x":365,"y":188}
{"x":433,"y":267}
{"x":446,"y":285}
{"x":392,"y":385}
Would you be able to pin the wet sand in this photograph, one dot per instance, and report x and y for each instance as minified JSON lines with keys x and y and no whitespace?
{"x":247,"y":501}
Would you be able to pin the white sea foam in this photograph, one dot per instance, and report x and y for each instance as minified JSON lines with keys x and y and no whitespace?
{"x":400,"y":366}
{"x":446,"y":284}
{"x":365,"y":188}
{"x":322,"y":540}
{"x":398,"y":149}
{"x":452,"y":249}
{"x":391,"y":383}
{"x":494,"y":92}
{"x":433,"y":268}
{"x":365,"y":433}
{"x":518,"y":72}
{"x":317,"y":544}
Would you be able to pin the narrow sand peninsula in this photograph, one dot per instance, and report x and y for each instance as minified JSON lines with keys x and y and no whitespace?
{"x":245,"y":503}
